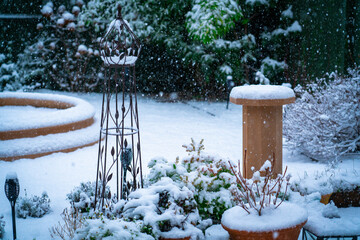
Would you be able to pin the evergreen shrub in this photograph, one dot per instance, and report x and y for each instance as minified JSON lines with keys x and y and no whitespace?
{"x":33,"y":206}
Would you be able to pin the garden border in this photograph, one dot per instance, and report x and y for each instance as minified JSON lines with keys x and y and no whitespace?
{"x":24,"y":100}
{"x":74,"y":114}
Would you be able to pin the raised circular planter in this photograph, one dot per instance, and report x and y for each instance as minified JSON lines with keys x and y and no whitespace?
{"x":62,"y":130}
{"x":73,"y":114}
{"x":262,"y":123}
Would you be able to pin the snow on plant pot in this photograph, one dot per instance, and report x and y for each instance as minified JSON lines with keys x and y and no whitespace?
{"x":262,"y":212}
{"x":336,"y":184}
{"x":167,"y":210}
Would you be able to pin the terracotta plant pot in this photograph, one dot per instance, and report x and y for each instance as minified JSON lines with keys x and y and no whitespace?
{"x":346,"y":198}
{"x":325,"y":198}
{"x":281,"y":234}
{"x":282,"y":223}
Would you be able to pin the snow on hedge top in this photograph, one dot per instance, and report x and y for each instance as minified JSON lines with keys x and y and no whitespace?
{"x":262,"y":92}
{"x":79,"y":110}
{"x":285,"y":216}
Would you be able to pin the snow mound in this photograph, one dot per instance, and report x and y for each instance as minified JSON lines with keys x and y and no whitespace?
{"x":262,"y":92}
{"x":43,"y":145}
{"x":285,"y":216}
{"x":342,"y":222}
{"x":73,"y":110}
{"x":62,"y":127}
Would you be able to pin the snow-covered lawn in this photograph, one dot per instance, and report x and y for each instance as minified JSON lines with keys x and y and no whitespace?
{"x":164,"y":128}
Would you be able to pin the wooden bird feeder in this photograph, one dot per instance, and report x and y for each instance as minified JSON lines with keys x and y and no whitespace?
{"x":262,"y":124}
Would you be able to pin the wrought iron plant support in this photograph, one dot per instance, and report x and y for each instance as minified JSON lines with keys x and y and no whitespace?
{"x":119,"y":126}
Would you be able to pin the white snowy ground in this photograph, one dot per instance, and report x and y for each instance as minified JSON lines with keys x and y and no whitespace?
{"x":164,"y":127}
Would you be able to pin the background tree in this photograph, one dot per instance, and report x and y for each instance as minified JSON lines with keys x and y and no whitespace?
{"x":260,"y":29}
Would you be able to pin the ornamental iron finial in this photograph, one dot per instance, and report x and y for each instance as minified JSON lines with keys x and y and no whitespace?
{"x":119,"y":46}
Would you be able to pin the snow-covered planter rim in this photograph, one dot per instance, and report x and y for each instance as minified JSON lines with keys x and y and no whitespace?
{"x":287,"y":215}
{"x":262,"y":95}
{"x":73,"y":113}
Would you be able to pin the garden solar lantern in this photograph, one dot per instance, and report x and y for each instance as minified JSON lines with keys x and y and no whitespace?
{"x":119,"y":143}
{"x":12,"y":189}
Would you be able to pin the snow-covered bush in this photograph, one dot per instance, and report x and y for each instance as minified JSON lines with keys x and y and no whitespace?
{"x":325,"y":182}
{"x":261,"y":191}
{"x":82,"y":198}
{"x":211,"y":19}
{"x":166,"y":208}
{"x":65,"y":54}
{"x":119,"y":229}
{"x":162,"y":209}
{"x":179,"y":199}
{"x":72,"y":221}
{"x":33,"y":206}
{"x":160,"y":167}
{"x":262,"y":29}
{"x":208,"y":177}
{"x":324,"y":122}
{"x":2,"y":226}
{"x":240,"y":36}
{"x":9,"y":76}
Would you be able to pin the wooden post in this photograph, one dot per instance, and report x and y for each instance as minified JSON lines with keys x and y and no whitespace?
{"x":262,"y":124}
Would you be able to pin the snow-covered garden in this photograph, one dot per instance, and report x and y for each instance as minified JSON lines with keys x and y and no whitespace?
{"x":165,"y":127}
{"x":283,"y":160}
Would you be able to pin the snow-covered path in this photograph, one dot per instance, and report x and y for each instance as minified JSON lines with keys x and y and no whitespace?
{"x":164,"y":127}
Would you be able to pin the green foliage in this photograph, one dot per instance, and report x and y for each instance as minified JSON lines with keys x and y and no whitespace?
{"x":33,"y":206}
{"x":9,"y":77}
{"x":147,"y":229}
{"x":210,"y":179}
{"x":163,"y":206}
{"x":211,"y":19}
{"x":65,"y":55}
{"x":189,"y":46}
{"x":97,"y":229}
{"x":82,"y":198}
{"x":159,"y":168}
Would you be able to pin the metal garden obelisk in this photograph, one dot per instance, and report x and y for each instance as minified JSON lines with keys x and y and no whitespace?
{"x":119,"y":143}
